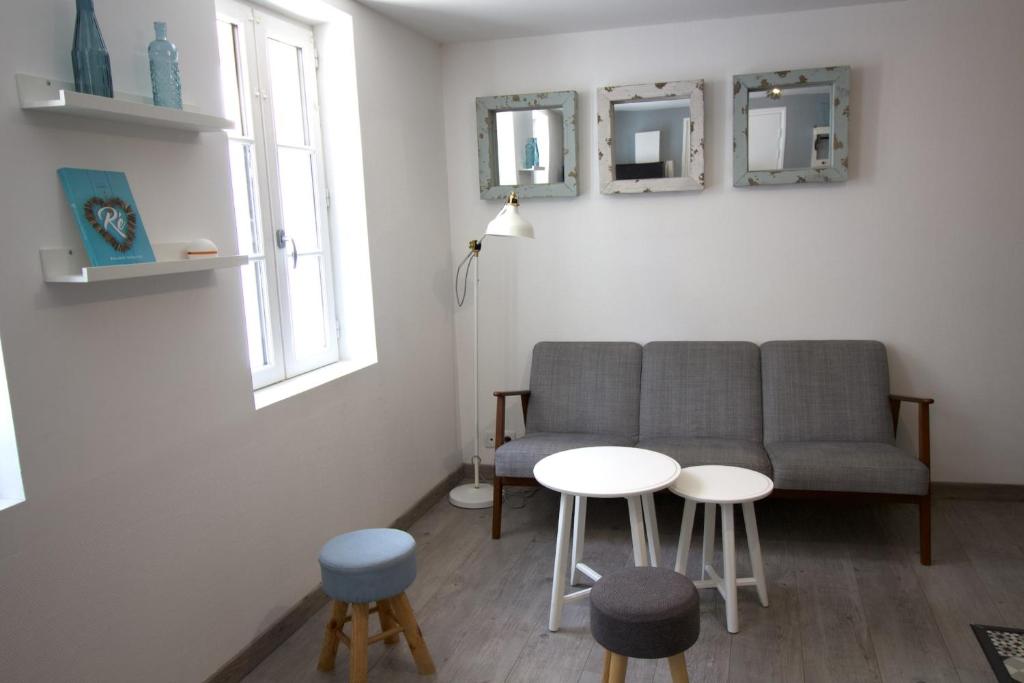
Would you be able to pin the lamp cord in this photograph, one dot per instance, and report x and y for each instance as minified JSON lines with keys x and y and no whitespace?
{"x":467,"y":263}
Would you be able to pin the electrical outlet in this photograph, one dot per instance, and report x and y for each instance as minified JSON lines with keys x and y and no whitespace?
{"x":489,"y":443}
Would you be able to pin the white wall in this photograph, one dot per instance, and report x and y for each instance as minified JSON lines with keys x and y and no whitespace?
{"x":167,"y":523}
{"x":921,"y":249}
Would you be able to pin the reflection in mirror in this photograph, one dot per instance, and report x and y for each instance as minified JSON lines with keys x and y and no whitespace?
{"x":790,"y":128}
{"x":651,"y":138}
{"x":529,"y":146}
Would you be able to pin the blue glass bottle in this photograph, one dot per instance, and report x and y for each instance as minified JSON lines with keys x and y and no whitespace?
{"x":89,"y":57}
{"x":163,"y":69}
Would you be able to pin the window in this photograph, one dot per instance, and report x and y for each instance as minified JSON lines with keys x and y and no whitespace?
{"x":11,"y":491}
{"x":268,"y":81}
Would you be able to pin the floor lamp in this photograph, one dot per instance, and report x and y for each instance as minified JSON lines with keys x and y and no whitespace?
{"x":508,"y":223}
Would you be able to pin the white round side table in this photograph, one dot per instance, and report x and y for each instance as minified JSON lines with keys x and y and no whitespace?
{"x":722,"y":486}
{"x":602,"y":472}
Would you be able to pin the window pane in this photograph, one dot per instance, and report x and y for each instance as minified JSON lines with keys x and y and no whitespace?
{"x":286,"y":85}
{"x":257,"y":324}
{"x":227,"y":38}
{"x":243,"y":186}
{"x":306,"y":287}
{"x":298,"y":202}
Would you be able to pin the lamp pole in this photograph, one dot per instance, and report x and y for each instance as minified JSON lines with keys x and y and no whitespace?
{"x":508,"y":223}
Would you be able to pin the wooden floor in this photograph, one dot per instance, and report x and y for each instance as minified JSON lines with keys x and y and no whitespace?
{"x":849,"y":601}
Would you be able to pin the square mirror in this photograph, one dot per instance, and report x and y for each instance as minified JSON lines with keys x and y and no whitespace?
{"x":651,"y":137}
{"x":791,"y":126}
{"x":527,"y":145}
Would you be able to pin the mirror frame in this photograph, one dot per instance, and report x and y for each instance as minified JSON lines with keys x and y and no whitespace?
{"x":838,"y":77}
{"x":486,"y":134}
{"x":608,"y":96}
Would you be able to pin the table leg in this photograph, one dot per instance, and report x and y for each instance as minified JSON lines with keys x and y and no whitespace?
{"x":708,"y":554}
{"x":561,"y":559}
{"x":729,"y":554}
{"x":685,"y":536}
{"x":754,"y":545}
{"x":579,"y":530}
{"x":651,"y":522}
{"x":636,"y":528}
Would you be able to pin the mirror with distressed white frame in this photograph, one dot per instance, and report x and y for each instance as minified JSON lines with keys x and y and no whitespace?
{"x":791,"y":126}
{"x":527,"y":145}
{"x":651,"y":137}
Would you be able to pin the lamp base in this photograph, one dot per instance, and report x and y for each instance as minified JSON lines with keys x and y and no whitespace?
{"x":471,"y":496}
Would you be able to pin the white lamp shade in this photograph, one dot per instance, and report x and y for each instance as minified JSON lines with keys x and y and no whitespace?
{"x":508,"y":223}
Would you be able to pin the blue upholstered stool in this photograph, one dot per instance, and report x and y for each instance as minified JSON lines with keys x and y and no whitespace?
{"x":364,"y":567}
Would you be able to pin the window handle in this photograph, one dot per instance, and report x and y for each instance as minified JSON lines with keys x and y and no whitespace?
{"x":283,"y":240}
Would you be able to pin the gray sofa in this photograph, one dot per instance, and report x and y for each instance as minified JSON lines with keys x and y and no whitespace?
{"x":816,"y":416}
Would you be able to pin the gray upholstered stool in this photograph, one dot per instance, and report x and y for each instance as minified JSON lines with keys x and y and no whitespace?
{"x":363,"y":567}
{"x":644,"y":612}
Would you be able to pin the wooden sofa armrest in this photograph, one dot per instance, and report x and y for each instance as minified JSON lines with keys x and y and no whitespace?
{"x":911,"y":399}
{"x":924,"y":451}
{"x":499,"y":418}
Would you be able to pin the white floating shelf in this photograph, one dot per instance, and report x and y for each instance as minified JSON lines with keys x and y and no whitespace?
{"x":58,"y":97}
{"x":72,"y":265}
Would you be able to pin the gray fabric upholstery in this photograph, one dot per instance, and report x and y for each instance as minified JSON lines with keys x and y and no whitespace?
{"x":645,"y":612}
{"x":517,"y":457}
{"x":860,"y":466}
{"x":826,"y":391}
{"x":585,"y":388}
{"x":701,"y":389}
{"x":693,"y":452}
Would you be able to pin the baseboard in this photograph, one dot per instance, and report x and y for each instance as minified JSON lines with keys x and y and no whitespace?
{"x":999,"y":492}
{"x":264,"y":644}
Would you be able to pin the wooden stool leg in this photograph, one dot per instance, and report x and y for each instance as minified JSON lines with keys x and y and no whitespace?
{"x":332,"y":636}
{"x":607,"y":670}
{"x":677,"y":667}
{"x":358,"y":664}
{"x":617,"y":673}
{"x":413,"y":636}
{"x":387,"y":620}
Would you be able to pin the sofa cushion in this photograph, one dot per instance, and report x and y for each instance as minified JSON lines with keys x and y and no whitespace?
{"x":517,"y":457}
{"x":585,"y":388}
{"x":826,"y":391}
{"x":846,"y":466}
{"x":693,"y":452}
{"x":701,"y":389}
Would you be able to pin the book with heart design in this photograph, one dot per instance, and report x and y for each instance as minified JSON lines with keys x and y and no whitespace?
{"x":107,"y":217}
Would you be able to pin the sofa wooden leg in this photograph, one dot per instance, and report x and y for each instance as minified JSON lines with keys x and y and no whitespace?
{"x":924,"y":508}
{"x":496,"y":510}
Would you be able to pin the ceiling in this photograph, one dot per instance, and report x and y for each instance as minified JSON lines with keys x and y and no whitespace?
{"x":455,"y":21}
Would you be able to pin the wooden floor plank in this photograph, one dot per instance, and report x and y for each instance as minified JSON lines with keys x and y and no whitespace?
{"x":990,"y":533}
{"x":907,"y":642}
{"x":767,"y":646}
{"x":835,"y":641}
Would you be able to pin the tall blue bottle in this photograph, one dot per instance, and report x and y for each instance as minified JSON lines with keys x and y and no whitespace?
{"x":89,"y":57}
{"x":163,"y":69}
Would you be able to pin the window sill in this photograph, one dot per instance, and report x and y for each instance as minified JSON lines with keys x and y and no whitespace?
{"x":285,"y":389}
{"x":10,"y":502}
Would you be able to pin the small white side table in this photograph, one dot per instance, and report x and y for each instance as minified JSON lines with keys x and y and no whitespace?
{"x":722,"y":486}
{"x":602,"y":472}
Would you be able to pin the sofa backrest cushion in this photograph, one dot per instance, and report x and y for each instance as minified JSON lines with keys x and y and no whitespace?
{"x":826,"y":391}
{"x":701,"y":389}
{"x":585,"y":387}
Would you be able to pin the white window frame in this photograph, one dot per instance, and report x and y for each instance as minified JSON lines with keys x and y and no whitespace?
{"x":253,"y":27}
